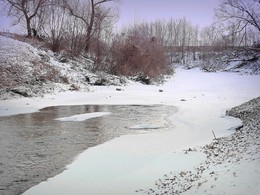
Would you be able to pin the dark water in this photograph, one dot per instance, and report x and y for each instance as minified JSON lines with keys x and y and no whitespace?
{"x":35,"y":147}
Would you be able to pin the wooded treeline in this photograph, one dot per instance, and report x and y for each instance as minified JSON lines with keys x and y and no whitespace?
{"x":86,"y":27}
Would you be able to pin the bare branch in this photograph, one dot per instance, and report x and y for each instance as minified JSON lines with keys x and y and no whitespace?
{"x":240,"y":11}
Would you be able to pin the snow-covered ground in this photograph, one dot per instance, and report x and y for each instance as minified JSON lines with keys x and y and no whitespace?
{"x":132,"y":162}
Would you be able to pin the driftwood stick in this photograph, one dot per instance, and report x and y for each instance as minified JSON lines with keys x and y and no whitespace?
{"x":214,"y":135}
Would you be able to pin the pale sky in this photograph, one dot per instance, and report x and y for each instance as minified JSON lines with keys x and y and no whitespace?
{"x":199,"y":12}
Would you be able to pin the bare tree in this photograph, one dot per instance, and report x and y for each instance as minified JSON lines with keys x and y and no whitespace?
{"x":74,"y":35}
{"x":100,"y":37}
{"x":54,"y":24}
{"x":241,"y":12}
{"x":210,"y":35}
{"x":24,"y":10}
{"x":88,"y":13}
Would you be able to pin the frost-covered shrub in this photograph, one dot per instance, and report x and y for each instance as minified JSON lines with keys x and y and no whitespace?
{"x":44,"y":72}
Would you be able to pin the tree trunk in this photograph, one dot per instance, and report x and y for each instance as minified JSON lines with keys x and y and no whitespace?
{"x":90,"y":27}
{"x":28,"y":26}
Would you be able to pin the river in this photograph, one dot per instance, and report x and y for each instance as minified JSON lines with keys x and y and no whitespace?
{"x":35,"y":146}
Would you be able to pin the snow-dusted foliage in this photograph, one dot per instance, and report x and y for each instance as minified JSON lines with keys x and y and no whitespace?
{"x":244,"y":60}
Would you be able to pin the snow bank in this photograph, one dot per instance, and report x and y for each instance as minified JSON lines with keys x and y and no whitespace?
{"x":231,"y":165}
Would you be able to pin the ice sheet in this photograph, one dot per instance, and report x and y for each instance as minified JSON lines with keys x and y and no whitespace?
{"x":83,"y":117}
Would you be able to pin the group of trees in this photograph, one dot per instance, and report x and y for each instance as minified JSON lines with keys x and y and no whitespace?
{"x":86,"y":26}
{"x":74,"y":22}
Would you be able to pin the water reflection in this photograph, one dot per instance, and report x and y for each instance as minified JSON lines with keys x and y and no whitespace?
{"x":35,"y":147}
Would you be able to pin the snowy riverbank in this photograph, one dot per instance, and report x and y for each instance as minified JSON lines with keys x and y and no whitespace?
{"x":133,"y":162}
{"x":231,"y":165}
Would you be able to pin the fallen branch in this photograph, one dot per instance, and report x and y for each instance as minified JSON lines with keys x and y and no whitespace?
{"x":214,"y":135}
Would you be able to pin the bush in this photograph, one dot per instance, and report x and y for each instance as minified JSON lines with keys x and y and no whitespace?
{"x":136,"y":56}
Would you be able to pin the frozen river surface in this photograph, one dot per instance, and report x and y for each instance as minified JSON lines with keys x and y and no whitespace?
{"x":127,"y":163}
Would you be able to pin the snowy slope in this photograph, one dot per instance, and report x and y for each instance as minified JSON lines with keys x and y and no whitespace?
{"x":29,"y":71}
